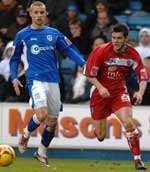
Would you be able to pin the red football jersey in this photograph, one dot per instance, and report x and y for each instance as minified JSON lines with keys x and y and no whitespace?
{"x":110,"y":67}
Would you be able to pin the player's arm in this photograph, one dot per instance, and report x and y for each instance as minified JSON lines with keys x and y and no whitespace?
{"x":66,"y":47}
{"x":101,"y":89}
{"x":138,"y":95}
{"x":143,"y":77}
{"x":14,"y":62}
{"x":142,"y":87}
{"x":91,"y":71}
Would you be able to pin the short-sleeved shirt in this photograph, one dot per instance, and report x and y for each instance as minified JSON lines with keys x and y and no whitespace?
{"x":110,"y":68}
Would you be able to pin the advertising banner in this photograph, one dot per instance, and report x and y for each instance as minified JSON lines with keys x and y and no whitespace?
{"x":74,"y":130}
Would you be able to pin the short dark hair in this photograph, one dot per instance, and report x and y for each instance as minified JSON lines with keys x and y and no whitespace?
{"x":120,"y":27}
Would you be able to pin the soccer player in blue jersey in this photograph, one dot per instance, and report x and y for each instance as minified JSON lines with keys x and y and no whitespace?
{"x":38,"y":43}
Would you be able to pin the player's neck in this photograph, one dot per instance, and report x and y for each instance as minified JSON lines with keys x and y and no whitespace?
{"x":123,"y":49}
{"x":35,"y":26}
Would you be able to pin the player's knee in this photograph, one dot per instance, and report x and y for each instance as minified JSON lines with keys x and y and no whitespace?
{"x":129,"y":124}
{"x":41,"y":117}
{"x":42,"y":114}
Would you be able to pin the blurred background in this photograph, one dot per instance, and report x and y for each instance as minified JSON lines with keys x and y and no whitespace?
{"x":88,"y":24}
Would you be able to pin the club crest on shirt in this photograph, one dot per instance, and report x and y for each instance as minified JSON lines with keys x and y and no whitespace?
{"x":112,"y":68}
{"x":94,"y":71}
{"x":49,"y":37}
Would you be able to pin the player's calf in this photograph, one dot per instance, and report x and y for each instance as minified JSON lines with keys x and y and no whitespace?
{"x":100,"y":131}
{"x":32,"y":125}
{"x":47,"y":136}
{"x":133,"y":141}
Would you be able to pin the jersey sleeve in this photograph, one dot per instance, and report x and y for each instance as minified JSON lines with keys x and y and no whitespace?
{"x":66,"y":47}
{"x":94,"y":62}
{"x":139,"y":68}
{"x":16,"y":57}
{"x":62,"y":42}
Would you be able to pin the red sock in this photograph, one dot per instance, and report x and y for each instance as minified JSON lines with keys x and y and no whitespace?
{"x":133,"y":141}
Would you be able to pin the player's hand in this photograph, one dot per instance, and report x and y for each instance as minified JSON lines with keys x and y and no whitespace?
{"x":16,"y":85}
{"x":104,"y":92}
{"x":137,"y":98}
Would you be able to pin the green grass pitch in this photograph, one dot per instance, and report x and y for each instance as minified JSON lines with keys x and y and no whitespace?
{"x":71,"y":165}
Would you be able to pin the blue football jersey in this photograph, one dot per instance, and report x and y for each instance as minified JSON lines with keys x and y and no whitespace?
{"x":37,"y":48}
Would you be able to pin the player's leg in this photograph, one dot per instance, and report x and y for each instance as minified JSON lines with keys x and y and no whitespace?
{"x":100,"y":110}
{"x":132,"y":134}
{"x":100,"y":129}
{"x":54,"y":104}
{"x":47,"y":136}
{"x":40,"y":108}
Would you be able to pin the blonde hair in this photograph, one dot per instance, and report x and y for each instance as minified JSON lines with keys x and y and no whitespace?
{"x":37,"y":3}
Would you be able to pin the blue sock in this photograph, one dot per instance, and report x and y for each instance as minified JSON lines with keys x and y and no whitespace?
{"x":33,"y":123}
{"x":47,"y":136}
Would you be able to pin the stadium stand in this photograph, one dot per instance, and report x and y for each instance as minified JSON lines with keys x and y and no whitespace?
{"x":67,"y":68}
{"x":122,"y":18}
{"x":134,"y":15}
{"x":135,"y":5}
{"x":137,"y":22}
{"x":133,"y":35}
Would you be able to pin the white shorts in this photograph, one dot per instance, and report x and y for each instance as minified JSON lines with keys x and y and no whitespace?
{"x":46,"y":94}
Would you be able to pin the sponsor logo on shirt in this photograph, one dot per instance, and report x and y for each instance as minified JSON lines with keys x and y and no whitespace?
{"x":119,"y":61}
{"x":112,"y":68}
{"x":35,"y":49}
{"x":114,"y":75}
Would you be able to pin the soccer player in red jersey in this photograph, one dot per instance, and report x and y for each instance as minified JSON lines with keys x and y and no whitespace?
{"x":106,"y":69}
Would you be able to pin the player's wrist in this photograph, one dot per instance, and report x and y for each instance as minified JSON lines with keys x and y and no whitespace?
{"x":14,"y":80}
{"x":141,"y":92}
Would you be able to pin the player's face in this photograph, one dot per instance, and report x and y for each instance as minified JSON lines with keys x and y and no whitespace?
{"x":38,"y":15}
{"x":118,"y":41}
